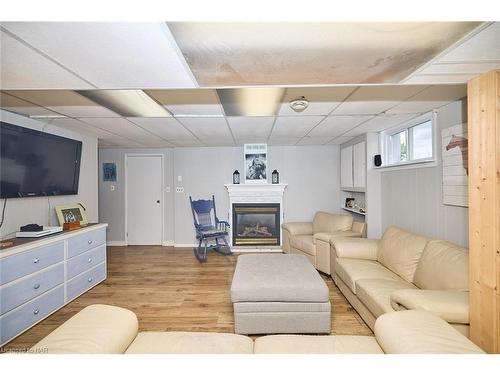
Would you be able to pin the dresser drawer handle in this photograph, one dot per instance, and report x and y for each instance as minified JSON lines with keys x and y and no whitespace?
{"x":90,"y":260}
{"x":36,"y":286}
{"x":36,"y":260}
{"x":89,"y":279}
{"x":90,"y":242}
{"x":36,"y":311}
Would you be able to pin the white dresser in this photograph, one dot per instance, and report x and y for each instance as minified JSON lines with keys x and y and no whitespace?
{"x":41,"y":276}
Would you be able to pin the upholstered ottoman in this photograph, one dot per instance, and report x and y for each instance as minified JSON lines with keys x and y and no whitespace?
{"x":279,"y":293}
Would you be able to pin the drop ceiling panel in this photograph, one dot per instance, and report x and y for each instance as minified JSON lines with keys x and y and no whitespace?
{"x":237,"y":54}
{"x":372,"y":100}
{"x":322,"y":100}
{"x":379,"y":123}
{"x":80,"y":127}
{"x":23,"y":68}
{"x":433,"y":79}
{"x":283,"y":141}
{"x":312,"y":141}
{"x":167,"y":128}
{"x":337,"y":125}
{"x":110,"y":54}
{"x":200,"y":102}
{"x":430,"y":98}
{"x":255,"y":101}
{"x":242,"y":141}
{"x":16,"y":105}
{"x":188,"y":143}
{"x":294,"y":126}
{"x":472,"y":68}
{"x":340,"y":140}
{"x":123,"y":127}
{"x":250,"y":127}
{"x":66,"y":102}
{"x":208,"y":129}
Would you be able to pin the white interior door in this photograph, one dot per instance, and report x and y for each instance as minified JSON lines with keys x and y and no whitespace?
{"x":144,"y":199}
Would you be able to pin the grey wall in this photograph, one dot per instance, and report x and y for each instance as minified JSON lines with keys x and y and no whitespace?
{"x":412,"y":198}
{"x":312,"y":173}
{"x":21,"y":211}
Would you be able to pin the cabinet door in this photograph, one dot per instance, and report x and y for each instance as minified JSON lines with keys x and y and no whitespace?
{"x":359,"y":165}
{"x":346,"y":167}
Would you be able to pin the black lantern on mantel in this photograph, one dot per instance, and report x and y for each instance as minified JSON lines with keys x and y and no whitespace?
{"x":236,"y":177}
{"x":275,"y":177}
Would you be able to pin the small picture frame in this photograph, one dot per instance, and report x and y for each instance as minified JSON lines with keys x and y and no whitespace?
{"x":109,"y":171}
{"x":349,"y":202}
{"x":70,"y":214}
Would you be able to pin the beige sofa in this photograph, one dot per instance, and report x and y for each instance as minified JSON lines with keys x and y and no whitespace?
{"x":102,"y":329}
{"x":403,"y":271}
{"x":312,"y":239}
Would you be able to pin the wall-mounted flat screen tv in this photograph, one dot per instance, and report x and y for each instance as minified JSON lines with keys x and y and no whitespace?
{"x":34,"y":163}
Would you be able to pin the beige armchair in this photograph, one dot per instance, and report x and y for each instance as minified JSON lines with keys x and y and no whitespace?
{"x":312,"y":239}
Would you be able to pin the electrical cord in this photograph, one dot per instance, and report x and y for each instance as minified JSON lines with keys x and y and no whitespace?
{"x":3,"y":212}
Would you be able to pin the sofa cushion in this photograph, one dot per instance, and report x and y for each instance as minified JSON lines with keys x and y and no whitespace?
{"x":352,"y":270}
{"x":400,"y":251}
{"x":97,"y":329}
{"x":302,"y":344}
{"x":303,"y":243}
{"x":420,"y":332}
{"x":376,"y":293}
{"x":277,"y":278}
{"x":325,"y":222}
{"x":443,"y":265}
{"x":190,"y":343}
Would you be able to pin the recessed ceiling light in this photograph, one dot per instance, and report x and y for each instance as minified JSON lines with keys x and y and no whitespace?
{"x":251,"y":101}
{"x":127,"y":103}
{"x":298,"y":105}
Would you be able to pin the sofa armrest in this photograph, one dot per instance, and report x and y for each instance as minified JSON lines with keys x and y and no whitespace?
{"x":450,"y":305}
{"x":359,"y":248}
{"x":326,"y":237}
{"x":297,"y":229}
{"x":420,"y":332}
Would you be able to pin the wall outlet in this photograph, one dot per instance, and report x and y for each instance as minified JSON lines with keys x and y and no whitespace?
{"x":112,"y":187}
{"x":179,"y":189}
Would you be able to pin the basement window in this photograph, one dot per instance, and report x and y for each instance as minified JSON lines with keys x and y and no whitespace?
{"x":410,"y":143}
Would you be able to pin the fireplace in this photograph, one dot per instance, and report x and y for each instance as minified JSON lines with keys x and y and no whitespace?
{"x":256,"y":224}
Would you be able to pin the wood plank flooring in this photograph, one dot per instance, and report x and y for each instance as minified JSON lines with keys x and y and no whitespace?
{"x":170,"y":290}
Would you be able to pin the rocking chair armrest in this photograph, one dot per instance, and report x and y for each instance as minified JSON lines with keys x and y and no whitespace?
{"x":223,"y":223}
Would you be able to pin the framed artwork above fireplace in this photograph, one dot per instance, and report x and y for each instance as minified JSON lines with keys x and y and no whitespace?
{"x":255,"y":159}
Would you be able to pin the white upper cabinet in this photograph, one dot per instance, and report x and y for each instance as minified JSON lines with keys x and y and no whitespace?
{"x":359,"y":165}
{"x":346,"y":175}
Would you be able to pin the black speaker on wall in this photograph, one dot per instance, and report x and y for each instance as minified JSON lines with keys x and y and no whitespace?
{"x":377,"y":160}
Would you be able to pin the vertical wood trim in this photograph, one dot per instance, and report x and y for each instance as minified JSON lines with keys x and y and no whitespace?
{"x":484,"y":209}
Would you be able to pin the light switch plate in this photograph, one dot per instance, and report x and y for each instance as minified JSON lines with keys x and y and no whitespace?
{"x":179,"y":189}
{"x":112,"y":187}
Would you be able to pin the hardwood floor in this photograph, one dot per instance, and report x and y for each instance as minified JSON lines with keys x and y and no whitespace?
{"x":170,"y":290}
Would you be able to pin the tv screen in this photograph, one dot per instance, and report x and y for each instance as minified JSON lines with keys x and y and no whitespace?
{"x":33,"y":163}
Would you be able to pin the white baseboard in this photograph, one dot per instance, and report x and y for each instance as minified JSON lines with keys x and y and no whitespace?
{"x":167,"y":243}
{"x":115,"y":243}
{"x":185,"y":245}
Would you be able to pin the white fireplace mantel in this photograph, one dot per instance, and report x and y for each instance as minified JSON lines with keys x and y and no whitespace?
{"x":255,"y":193}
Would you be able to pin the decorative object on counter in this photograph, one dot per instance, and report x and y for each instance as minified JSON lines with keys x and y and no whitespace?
{"x":349,"y":202}
{"x":377,"y":160}
{"x":71,"y":225}
{"x":236,"y":177}
{"x":275,"y":177}
{"x":255,"y":163}
{"x":71,"y":213}
{"x":109,"y":171}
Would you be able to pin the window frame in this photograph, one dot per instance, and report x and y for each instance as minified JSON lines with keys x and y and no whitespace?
{"x":406,"y":127}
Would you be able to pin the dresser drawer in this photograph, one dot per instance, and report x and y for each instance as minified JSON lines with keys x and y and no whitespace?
{"x":16,"y":321}
{"x":85,"y":281}
{"x":25,"y":263}
{"x":82,"y":243}
{"x":85,"y":261}
{"x":19,"y":292}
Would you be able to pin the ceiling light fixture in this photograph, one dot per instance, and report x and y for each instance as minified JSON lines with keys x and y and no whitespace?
{"x":127,"y":103}
{"x":298,"y":105}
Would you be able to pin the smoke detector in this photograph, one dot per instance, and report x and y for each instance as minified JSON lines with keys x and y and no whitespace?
{"x":298,"y":105}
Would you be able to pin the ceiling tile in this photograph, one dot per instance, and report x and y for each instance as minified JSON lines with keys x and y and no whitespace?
{"x":340,"y":140}
{"x":80,"y":127}
{"x":379,"y":123}
{"x":294,"y":126}
{"x":109,"y":54}
{"x":188,"y":143}
{"x":436,"y":79}
{"x":250,"y":127}
{"x":16,"y":105}
{"x":372,"y":100}
{"x":21,"y":67}
{"x":208,"y":129}
{"x":337,"y":125}
{"x":472,"y":68}
{"x":312,"y":141}
{"x":242,"y":141}
{"x":322,"y":100}
{"x":242,"y":54}
{"x":283,"y":141}
{"x":253,"y":101}
{"x":66,"y":102}
{"x":189,"y":102}
{"x":123,"y":127}
{"x":430,"y":98}
{"x":167,"y":128}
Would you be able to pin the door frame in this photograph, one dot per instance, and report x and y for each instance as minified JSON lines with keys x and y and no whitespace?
{"x":162,"y":196}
